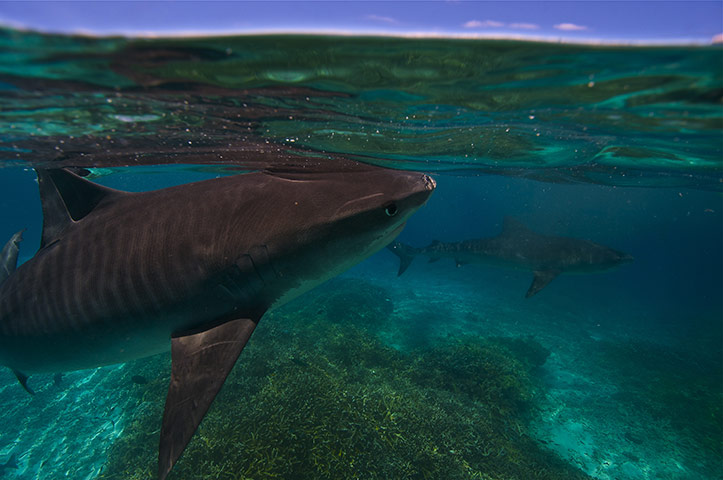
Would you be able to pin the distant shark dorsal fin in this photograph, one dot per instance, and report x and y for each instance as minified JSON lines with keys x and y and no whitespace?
{"x":67,"y":198}
{"x":9,"y":256}
{"x":200,"y":364}
{"x":542,"y":278}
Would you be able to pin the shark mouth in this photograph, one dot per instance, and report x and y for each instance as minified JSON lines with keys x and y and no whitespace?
{"x":393,"y":234}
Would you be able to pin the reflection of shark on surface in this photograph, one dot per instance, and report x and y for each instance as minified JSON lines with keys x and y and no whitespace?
{"x":519,"y":247}
{"x":124,"y":275}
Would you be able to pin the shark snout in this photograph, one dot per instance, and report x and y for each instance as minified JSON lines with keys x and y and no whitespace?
{"x":413,"y":189}
{"x":621,"y":257}
{"x":429,"y":182}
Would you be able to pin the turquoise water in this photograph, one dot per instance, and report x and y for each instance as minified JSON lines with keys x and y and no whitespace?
{"x":618,"y":145}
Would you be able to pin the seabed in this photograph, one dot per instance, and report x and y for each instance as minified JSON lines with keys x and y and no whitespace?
{"x":373,"y":376}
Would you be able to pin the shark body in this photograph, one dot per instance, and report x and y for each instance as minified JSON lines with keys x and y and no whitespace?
{"x":192,"y":268}
{"x":519,"y":247}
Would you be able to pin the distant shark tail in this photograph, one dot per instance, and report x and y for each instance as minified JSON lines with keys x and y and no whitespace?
{"x":9,"y":255}
{"x":406,"y":254}
{"x":8,"y":264}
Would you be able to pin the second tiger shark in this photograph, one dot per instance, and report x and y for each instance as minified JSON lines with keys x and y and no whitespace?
{"x":519,"y":247}
{"x":190,"y":268}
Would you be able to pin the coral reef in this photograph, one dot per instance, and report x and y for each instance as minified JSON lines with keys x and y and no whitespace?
{"x":318,"y":396}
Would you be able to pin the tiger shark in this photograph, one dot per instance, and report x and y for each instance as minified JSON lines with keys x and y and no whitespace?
{"x":193,"y":268}
{"x":519,"y":247}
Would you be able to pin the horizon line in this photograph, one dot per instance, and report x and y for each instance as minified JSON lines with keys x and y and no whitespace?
{"x":201,"y":33}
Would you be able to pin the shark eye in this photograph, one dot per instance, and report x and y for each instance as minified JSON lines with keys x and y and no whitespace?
{"x":391,"y":209}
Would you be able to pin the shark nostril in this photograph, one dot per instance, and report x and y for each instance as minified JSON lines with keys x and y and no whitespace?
{"x":429,"y":182}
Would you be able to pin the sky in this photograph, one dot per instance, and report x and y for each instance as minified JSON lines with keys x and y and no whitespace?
{"x":620,"y":21}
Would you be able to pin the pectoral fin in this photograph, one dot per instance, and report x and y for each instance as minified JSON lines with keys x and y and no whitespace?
{"x":200,"y":364}
{"x":542,"y":278}
{"x":23,"y":379}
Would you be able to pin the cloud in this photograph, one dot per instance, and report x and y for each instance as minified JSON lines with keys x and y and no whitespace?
{"x":524,"y":26}
{"x":570,"y":27}
{"x":379,"y":18}
{"x":717,"y":38}
{"x":485,"y":24}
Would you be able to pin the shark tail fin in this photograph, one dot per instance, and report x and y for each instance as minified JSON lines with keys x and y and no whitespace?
{"x":9,"y":256}
{"x":406,"y":254}
{"x":8,"y":264}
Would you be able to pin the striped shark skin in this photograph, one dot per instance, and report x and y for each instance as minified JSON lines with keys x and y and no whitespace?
{"x":519,"y":247}
{"x":193,"y":268}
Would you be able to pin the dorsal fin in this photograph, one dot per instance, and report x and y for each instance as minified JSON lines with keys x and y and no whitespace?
{"x":67,"y":198}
